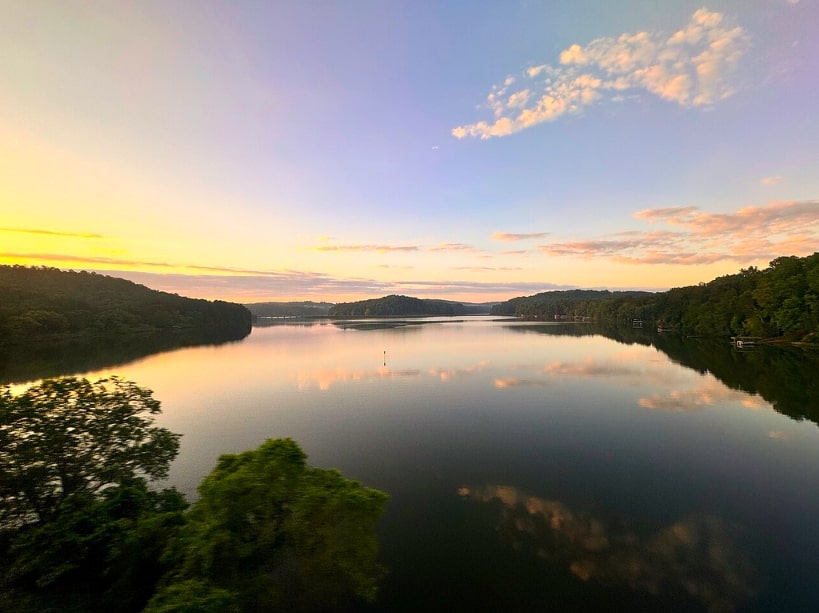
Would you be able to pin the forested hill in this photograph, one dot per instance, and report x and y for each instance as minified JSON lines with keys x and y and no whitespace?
{"x":289,"y":309}
{"x":559,"y":302}
{"x":779,"y":301}
{"x":48,"y":303}
{"x":397,"y":306}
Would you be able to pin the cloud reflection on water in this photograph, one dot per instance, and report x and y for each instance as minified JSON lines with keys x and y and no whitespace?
{"x":324,"y":378}
{"x":699,"y":557}
{"x":708,"y":392}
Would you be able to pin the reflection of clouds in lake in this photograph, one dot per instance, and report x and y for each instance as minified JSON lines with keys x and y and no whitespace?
{"x":324,"y":378}
{"x":779,"y":435}
{"x":626,"y":368}
{"x":591,"y":368}
{"x":709,"y":391}
{"x":698,"y":557}
{"x":507,"y":382}
{"x":447,"y":374}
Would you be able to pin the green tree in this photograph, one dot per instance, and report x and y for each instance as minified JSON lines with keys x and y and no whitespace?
{"x":69,"y":436}
{"x":79,"y":528}
{"x":94,"y":554}
{"x":271,"y":533}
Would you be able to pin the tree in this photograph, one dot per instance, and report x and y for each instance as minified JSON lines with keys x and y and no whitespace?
{"x":271,"y":533}
{"x":94,"y":554}
{"x":68,"y":437}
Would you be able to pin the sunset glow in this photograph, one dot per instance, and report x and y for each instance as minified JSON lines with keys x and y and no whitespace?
{"x":322,"y":151}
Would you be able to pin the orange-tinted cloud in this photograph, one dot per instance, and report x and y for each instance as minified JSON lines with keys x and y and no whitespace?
{"x":375,"y":248}
{"x":512,"y":237}
{"x":41,"y":232}
{"x":452,"y":247}
{"x":698,"y":237}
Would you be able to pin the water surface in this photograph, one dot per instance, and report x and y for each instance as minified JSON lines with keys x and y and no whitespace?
{"x":530,"y":466}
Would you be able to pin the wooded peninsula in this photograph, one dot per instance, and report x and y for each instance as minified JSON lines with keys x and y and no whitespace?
{"x":48,"y":304}
{"x":781,"y":301}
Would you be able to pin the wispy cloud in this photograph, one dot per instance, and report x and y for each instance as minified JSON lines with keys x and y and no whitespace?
{"x":693,"y":67}
{"x":52,"y":233}
{"x":695,"y":237}
{"x":487,"y":268}
{"x":771,"y":180}
{"x":452,"y":247}
{"x":511,"y":237}
{"x":255,"y":285}
{"x":372,"y":248}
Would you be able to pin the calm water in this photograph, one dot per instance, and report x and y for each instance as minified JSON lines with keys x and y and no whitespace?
{"x":528,"y":469}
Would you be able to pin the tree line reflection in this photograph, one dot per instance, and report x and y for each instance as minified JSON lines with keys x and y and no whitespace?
{"x":784,"y":376}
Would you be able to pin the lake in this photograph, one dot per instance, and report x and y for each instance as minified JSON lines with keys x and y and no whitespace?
{"x":531,"y":465}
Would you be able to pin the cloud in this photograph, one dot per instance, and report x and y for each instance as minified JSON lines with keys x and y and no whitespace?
{"x":375,"y":248}
{"x":771,"y":180}
{"x":514,"y":252}
{"x":510,"y":237}
{"x":52,"y":233}
{"x":695,"y":237}
{"x":256,"y":285}
{"x":693,"y":68}
{"x":452,"y":247}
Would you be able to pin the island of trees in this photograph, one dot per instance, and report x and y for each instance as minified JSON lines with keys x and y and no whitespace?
{"x":781,"y":301}
{"x":397,"y":306}
{"x":81,"y":530}
{"x":289,"y":309}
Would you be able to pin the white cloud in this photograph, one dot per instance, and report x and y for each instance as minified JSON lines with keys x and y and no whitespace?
{"x":692,"y":67}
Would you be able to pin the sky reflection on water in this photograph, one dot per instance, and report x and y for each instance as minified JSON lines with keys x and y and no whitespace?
{"x":624,"y":475}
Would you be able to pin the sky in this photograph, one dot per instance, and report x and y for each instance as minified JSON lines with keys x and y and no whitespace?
{"x":468,"y":150}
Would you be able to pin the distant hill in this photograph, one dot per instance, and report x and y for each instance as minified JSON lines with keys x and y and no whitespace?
{"x":48,"y":304}
{"x":397,"y":306}
{"x":558,"y":302}
{"x":289,"y":309}
{"x":781,"y":301}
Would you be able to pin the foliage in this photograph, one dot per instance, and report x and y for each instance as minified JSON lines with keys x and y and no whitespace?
{"x":289,"y":309}
{"x":94,"y":553}
{"x":81,"y":531}
{"x":275,"y":534}
{"x":70,"y":437}
{"x":48,"y":304}
{"x":558,"y":302}
{"x":396,"y":306}
{"x":782,"y":300}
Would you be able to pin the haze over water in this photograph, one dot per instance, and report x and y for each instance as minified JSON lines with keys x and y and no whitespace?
{"x":527,"y":467}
